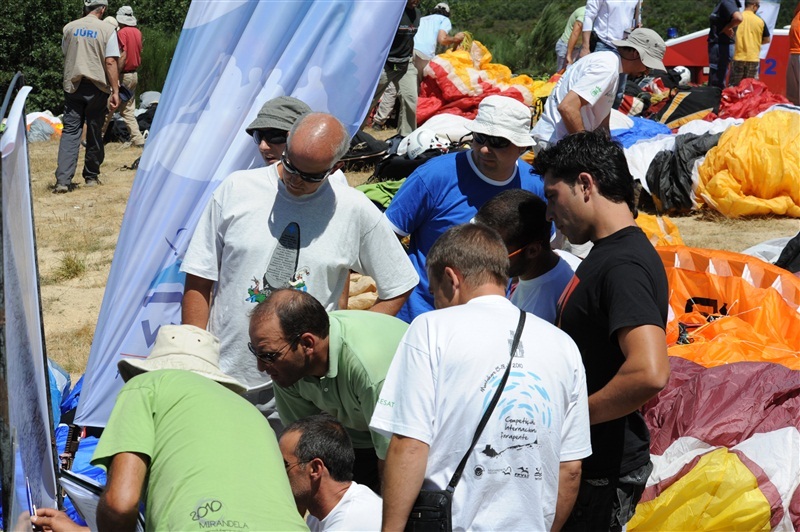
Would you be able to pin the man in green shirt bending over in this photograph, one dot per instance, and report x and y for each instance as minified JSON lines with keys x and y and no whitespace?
{"x":327,"y":362}
{"x":204,"y":456}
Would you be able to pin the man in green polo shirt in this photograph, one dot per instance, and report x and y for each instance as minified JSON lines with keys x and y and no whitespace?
{"x":327,"y":362}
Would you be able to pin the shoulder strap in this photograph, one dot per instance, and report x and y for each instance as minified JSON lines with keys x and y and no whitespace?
{"x":460,"y":469}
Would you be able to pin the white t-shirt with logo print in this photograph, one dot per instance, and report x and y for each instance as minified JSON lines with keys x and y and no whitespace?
{"x":445,"y":371}
{"x":594,"y":78}
{"x":254,"y":236}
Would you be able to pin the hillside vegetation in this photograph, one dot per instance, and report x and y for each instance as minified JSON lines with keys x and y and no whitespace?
{"x":522,"y":33}
{"x":519,"y":33}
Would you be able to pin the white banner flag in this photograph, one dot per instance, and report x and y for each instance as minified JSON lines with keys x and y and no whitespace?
{"x":26,"y":372}
{"x":231,"y":58}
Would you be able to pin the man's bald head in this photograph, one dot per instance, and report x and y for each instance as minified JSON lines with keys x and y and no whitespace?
{"x":320,"y":137}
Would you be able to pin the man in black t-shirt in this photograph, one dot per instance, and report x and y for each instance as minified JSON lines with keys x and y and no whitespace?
{"x":615,"y":309}
{"x":399,"y":69}
{"x":725,"y":17}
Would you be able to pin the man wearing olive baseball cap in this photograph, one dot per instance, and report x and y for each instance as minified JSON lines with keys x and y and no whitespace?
{"x":583,"y":97}
{"x":272,"y":124}
{"x":204,"y":453}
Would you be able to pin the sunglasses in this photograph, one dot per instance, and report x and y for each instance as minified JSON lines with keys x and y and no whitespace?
{"x":311,"y":178}
{"x":270,"y":136}
{"x":269,"y":357}
{"x":493,"y":142}
{"x":517,"y":252}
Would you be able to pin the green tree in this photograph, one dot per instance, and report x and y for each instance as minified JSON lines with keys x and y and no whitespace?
{"x":30,"y":42}
{"x":30,"y":37}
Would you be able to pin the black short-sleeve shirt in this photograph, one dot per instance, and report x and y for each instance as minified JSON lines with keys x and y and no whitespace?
{"x":621,"y":283}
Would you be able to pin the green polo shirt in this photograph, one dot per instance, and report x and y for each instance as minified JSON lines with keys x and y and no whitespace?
{"x":362,"y":345}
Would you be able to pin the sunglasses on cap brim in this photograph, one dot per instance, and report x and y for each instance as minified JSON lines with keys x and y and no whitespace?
{"x":491,"y":141}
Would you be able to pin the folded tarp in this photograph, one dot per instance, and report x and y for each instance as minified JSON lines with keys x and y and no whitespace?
{"x":642,"y":129}
{"x":669,"y":177}
{"x":747,"y":99}
{"x":755,"y":168}
{"x":687,"y":105}
{"x":456,"y":82}
{"x":725,"y":432}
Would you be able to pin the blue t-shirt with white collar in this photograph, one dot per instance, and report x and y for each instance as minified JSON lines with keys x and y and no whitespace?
{"x":447,"y":190}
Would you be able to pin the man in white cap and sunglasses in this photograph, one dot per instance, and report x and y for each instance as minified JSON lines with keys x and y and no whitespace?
{"x":180,"y":433}
{"x":287,"y":226}
{"x":448,"y":190}
{"x":583,"y":97}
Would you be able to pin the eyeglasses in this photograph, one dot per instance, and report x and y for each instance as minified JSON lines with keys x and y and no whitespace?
{"x":270,"y":136}
{"x":497,"y":143}
{"x":311,"y":178}
{"x":269,"y":357}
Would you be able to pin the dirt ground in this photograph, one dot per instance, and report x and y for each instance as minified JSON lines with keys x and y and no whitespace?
{"x":77,"y":232}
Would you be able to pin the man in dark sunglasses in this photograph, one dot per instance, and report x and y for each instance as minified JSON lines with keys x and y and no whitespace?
{"x":271,"y":127}
{"x":287,"y":225}
{"x":327,"y":362}
{"x":448,"y":190}
{"x":583,"y":97}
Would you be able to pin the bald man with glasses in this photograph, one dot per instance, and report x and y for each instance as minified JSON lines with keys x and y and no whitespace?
{"x":448,"y":190}
{"x":287,"y":226}
{"x":327,"y":362}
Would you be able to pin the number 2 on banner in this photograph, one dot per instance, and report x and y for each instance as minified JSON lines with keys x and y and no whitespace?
{"x":769,"y":66}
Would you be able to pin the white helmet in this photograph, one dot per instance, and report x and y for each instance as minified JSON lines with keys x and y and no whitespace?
{"x":684,"y":73}
{"x":420,"y":141}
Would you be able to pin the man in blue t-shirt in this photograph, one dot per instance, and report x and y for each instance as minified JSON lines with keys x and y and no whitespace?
{"x":449,"y":189}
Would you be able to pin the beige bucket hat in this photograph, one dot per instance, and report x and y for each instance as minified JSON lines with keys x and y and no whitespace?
{"x":184,"y":347}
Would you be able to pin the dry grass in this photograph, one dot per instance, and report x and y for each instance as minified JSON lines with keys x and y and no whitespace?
{"x":77,"y":233}
{"x":72,"y":265}
{"x":709,"y":229}
{"x":70,"y":348}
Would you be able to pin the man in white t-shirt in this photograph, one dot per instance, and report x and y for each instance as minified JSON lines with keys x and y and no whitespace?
{"x":583,"y":97}
{"x":610,"y":20}
{"x":286,"y":225}
{"x":524,"y":471}
{"x":519,"y":217}
{"x":318,"y":458}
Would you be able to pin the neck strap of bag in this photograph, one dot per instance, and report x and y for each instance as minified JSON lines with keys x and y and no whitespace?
{"x":451,"y":487}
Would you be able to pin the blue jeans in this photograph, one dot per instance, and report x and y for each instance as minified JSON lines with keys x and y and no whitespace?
{"x":719,"y":56}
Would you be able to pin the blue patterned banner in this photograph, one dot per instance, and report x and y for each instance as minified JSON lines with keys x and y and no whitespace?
{"x":232,"y":57}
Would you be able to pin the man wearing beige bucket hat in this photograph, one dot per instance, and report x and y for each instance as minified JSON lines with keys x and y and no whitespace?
{"x":583,"y":97}
{"x":208,"y":457}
